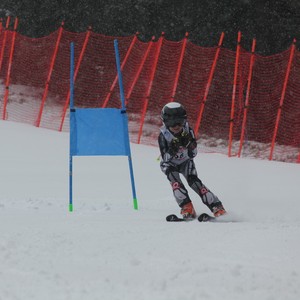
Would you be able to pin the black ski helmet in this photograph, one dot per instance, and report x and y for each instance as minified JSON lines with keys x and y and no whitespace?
{"x":173,"y":113}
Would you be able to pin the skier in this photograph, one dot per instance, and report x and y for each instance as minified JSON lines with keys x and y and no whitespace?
{"x":178,"y":147}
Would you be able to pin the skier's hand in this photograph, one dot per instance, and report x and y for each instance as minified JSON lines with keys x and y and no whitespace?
{"x":174,"y":147}
{"x":188,"y":141}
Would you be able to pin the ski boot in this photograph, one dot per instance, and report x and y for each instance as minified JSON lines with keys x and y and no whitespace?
{"x":188,"y":211}
{"x":218,"y":209}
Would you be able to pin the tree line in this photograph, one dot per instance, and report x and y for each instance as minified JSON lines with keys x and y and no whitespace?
{"x":273,"y":24}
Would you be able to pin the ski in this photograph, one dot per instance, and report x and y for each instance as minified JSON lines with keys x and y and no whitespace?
{"x":202,"y":218}
{"x":174,"y":218}
{"x":206,"y":218}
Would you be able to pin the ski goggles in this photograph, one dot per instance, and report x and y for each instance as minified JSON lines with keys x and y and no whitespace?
{"x":175,"y":122}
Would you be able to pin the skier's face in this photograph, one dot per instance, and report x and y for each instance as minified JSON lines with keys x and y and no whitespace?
{"x":177,"y":128}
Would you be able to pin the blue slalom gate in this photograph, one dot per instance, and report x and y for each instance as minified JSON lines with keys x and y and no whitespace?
{"x":91,"y":130}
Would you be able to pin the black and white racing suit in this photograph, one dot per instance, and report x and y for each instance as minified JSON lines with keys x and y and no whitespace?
{"x":181,"y":162}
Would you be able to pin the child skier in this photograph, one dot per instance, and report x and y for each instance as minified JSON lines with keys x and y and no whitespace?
{"x":178,"y":147}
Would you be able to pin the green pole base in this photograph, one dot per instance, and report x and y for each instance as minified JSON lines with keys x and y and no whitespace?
{"x":135,"y":204}
{"x":70,"y":207}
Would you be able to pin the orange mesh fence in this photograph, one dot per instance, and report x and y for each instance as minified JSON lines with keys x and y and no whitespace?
{"x":289,"y":125}
{"x":267,"y":83}
{"x":212,"y":83}
{"x":136,"y":96}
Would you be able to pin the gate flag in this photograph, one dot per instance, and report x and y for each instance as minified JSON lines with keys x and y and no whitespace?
{"x":98,"y":131}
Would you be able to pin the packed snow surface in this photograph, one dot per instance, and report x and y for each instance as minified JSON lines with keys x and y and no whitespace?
{"x":106,"y":250}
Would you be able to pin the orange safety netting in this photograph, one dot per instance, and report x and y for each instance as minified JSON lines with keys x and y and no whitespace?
{"x":239,"y":103}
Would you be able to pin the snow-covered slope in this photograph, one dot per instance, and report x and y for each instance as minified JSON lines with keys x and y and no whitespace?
{"x":105,"y":250}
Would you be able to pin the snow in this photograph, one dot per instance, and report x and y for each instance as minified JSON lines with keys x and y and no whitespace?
{"x":106,"y":250}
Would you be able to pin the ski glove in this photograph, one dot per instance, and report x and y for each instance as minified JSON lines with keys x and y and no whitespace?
{"x":188,"y":141}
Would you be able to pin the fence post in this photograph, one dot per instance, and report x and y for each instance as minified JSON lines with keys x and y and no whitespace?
{"x":150,"y":86}
{"x":128,"y":95}
{"x":4,"y":41}
{"x":122,"y":67}
{"x":247,"y":96}
{"x":287,"y":74}
{"x":179,"y":66}
{"x":236,"y":68}
{"x":9,"y":69}
{"x":88,"y":33}
{"x":208,"y":84}
{"x":38,"y":121}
